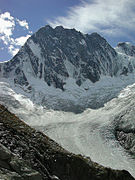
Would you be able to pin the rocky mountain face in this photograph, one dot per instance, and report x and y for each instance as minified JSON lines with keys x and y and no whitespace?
{"x":124,"y":132}
{"x":126,"y":48}
{"x":54,"y":55}
{"x":126,"y":51}
{"x":12,"y":167}
{"x":59,"y":69}
{"x":126,"y":140}
{"x":28,"y":154}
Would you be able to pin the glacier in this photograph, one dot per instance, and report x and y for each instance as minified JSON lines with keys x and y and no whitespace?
{"x":90,"y":133}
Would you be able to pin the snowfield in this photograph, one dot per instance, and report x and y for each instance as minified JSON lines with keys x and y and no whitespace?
{"x":74,"y":98}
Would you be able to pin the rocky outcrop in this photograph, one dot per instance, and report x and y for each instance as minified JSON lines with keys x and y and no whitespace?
{"x":126,"y":140}
{"x":124,"y":129}
{"x":30,"y":154}
{"x":126,"y":48}
{"x":12,"y":167}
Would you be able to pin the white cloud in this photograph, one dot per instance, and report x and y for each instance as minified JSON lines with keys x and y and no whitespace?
{"x":5,"y":39}
{"x":7,"y":15}
{"x":16,"y":44}
{"x":13,"y":50}
{"x":21,"y":40}
{"x":109,"y":17}
{"x":7,"y":26}
{"x":23,"y":23}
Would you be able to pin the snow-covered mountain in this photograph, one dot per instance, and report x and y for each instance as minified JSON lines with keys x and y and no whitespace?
{"x":126,"y":48}
{"x":56,"y":65}
{"x":64,"y":69}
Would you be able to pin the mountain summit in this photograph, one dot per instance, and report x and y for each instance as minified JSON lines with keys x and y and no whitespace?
{"x":65,"y":59}
{"x":57,"y":54}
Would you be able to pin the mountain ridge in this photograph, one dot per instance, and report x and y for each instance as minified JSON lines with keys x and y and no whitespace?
{"x":57,"y":61}
{"x":49,"y":39}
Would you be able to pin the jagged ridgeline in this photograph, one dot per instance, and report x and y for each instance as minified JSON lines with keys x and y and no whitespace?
{"x":27,"y":154}
{"x":64,"y":69}
{"x":54,"y":55}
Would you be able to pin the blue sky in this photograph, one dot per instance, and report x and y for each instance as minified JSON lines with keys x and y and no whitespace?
{"x":115,"y":20}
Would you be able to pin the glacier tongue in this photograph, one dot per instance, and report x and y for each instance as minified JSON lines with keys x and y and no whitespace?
{"x":90,"y":133}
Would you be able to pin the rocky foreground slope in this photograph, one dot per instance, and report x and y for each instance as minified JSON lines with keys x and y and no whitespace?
{"x":29,"y":154}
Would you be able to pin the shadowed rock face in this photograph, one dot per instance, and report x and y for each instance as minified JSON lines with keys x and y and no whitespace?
{"x":12,"y":167}
{"x":29,"y":154}
{"x":53,"y":55}
{"x":125,"y":135}
{"x":124,"y":129}
{"x":126,"y":140}
{"x":127,"y":48}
